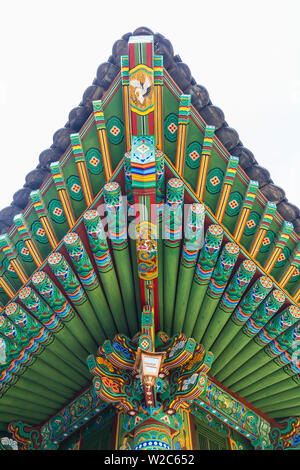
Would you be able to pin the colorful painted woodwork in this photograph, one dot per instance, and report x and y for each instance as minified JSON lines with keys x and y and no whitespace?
{"x":89,"y":280}
{"x":287,"y":434}
{"x":102,"y":135}
{"x":193,"y":241}
{"x":117,"y":229}
{"x":66,"y":276}
{"x":251,"y":328}
{"x":226,"y":189}
{"x":229,"y":300}
{"x":172,"y":241}
{"x":253,"y":368}
{"x":61,"y":188}
{"x":215,"y":288}
{"x":141,"y":85}
{"x":245,"y":210}
{"x":235,"y":414}
{"x":205,"y":156}
{"x":205,"y":266}
{"x":81,"y":168}
{"x":251,"y":300}
{"x":151,"y":402}
{"x":145,"y":139}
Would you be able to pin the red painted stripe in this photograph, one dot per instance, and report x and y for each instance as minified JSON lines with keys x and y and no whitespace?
{"x":151,"y":123}
{"x":134,"y":123}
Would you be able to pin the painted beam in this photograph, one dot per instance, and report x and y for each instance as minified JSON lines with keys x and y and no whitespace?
{"x":253,"y":370}
{"x":248,"y":202}
{"x":226,"y":188}
{"x":158,"y":98}
{"x":62,"y":192}
{"x":64,"y":343}
{"x":233,"y":356}
{"x":281,"y":241}
{"x":204,"y":163}
{"x":215,"y":289}
{"x":81,"y":168}
{"x":246,"y":345}
{"x":99,"y":246}
{"x":12,"y":257}
{"x":23,"y":230}
{"x":43,"y":215}
{"x":248,"y":304}
{"x":183,"y":122}
{"x":89,"y":281}
{"x":204,"y":269}
{"x":193,"y":242}
{"x":229,"y":301}
{"x":125,"y":89}
{"x":68,"y":280}
{"x":262,"y":228}
{"x":141,"y":84}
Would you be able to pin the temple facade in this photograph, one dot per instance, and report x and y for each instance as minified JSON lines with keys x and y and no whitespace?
{"x":149,"y":284}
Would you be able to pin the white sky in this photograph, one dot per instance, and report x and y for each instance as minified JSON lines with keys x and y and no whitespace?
{"x":246,"y":53}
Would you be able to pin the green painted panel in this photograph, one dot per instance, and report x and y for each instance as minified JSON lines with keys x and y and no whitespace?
{"x":114,"y":121}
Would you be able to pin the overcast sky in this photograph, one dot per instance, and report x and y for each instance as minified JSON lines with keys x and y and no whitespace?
{"x":246,"y":53}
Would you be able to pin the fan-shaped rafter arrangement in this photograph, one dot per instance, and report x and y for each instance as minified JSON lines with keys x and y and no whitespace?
{"x":149,"y":240}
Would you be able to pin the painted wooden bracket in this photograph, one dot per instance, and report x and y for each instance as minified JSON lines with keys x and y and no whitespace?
{"x":81,"y":168}
{"x":102,"y":134}
{"x":23,"y":230}
{"x":227,"y":185}
{"x":282,"y":239}
{"x":11,"y":255}
{"x":264,"y":225}
{"x":42,"y":213}
{"x":183,"y":121}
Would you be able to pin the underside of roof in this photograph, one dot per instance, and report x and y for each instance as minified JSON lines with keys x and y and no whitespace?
{"x":182,"y":76}
{"x":64,"y":289}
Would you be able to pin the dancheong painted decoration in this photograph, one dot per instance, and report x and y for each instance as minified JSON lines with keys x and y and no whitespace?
{"x":149,"y":276}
